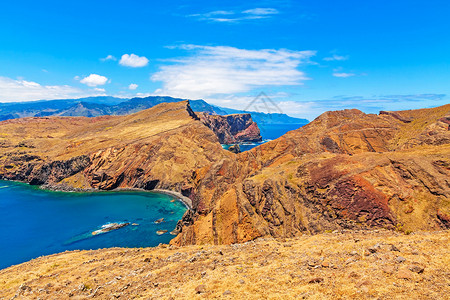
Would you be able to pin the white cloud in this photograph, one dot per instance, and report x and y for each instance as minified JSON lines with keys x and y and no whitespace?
{"x":134,"y":61}
{"x":22,"y":90}
{"x":133,"y":86}
{"x":94,"y":80}
{"x":226,"y":16}
{"x":336,"y":57}
{"x":227,"y":70}
{"x":109,"y":57}
{"x":214,"y":13}
{"x":261,"y":11}
{"x":343,"y":74}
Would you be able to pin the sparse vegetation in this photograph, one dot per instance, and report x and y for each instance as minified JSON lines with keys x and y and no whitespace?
{"x":375,"y":264}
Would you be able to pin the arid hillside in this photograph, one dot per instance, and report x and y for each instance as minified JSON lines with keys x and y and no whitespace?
{"x":375,"y":264}
{"x":155,"y":148}
{"x":346,"y":169}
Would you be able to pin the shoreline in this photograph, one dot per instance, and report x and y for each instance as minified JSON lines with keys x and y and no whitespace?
{"x":178,"y":196}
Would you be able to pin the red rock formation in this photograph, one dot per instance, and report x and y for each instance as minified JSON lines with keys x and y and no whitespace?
{"x":232,"y":129}
{"x":344,"y":169}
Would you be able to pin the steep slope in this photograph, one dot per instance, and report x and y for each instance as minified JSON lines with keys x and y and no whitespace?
{"x":345,"y":169}
{"x":155,"y":148}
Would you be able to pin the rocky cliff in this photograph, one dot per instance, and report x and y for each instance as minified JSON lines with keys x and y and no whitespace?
{"x":346,"y":169}
{"x":232,"y":129}
{"x":155,"y":148}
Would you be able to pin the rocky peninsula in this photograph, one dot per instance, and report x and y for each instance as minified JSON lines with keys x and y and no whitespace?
{"x":346,"y":169}
{"x":373,"y":189}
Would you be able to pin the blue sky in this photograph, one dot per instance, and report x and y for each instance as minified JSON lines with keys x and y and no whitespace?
{"x":307,"y":56}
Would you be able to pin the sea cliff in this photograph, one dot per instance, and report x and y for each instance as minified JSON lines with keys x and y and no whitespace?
{"x":346,"y":169}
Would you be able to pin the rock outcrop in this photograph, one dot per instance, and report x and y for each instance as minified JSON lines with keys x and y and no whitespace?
{"x":156,"y":148}
{"x":232,"y":129}
{"x":345,"y":169}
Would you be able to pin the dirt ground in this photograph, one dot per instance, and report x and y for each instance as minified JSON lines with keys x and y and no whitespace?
{"x":374,"y":264}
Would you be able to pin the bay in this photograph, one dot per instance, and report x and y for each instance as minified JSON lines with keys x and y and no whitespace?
{"x":36,"y":222}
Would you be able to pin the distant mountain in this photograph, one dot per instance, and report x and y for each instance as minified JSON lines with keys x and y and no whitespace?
{"x":53,"y":107}
{"x":86,"y":109}
{"x":97,"y":106}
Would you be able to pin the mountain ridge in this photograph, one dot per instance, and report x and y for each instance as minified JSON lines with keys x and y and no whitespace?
{"x":97,"y":106}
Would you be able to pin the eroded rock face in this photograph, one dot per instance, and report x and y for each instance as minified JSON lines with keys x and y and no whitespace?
{"x":155,"y":148}
{"x":232,"y":129}
{"x":345,"y":169}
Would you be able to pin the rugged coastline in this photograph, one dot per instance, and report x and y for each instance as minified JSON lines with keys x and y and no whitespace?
{"x":346,"y":169}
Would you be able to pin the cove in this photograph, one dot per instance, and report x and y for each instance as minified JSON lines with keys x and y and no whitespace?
{"x":36,"y":222}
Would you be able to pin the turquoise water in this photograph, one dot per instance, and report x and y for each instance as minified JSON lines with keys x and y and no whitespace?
{"x":35,"y":222}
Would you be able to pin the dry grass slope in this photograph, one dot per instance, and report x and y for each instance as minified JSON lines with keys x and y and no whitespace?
{"x":340,"y":265}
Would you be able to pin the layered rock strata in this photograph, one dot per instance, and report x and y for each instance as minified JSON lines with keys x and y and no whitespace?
{"x":232,"y":129}
{"x":346,"y":169}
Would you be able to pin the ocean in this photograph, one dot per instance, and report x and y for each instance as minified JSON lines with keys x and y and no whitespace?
{"x":36,"y":222}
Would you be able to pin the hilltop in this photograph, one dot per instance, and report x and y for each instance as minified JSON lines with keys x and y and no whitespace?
{"x":154,"y":148}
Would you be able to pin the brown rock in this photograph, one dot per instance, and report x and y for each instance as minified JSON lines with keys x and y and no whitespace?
{"x":316,"y":280}
{"x":417,"y":269}
{"x":388,"y":270}
{"x":393,"y":248}
{"x":354,"y":275}
{"x":231,"y":129}
{"x":325,"y":264}
{"x":400,"y":259}
{"x":404,"y":274}
{"x":349,"y":166}
{"x":200,"y":289}
{"x":363,"y":283}
{"x":235,"y":149}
